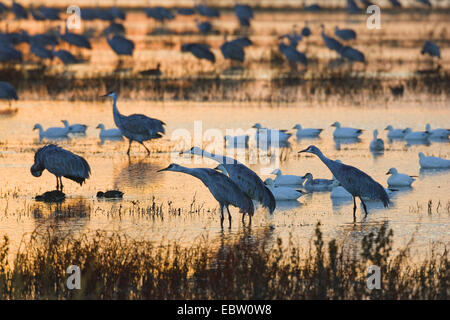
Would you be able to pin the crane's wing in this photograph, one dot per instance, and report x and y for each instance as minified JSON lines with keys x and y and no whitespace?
{"x":251,"y":184}
{"x":65,"y":163}
{"x":358,"y":182}
{"x":223,"y":188}
{"x":141,"y":124}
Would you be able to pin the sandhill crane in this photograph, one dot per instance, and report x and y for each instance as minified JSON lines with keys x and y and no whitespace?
{"x":19,"y":11}
{"x":200,"y":51}
{"x":294,"y":38}
{"x":431,"y":48}
{"x":293,"y":55}
{"x":355,"y":181}
{"x":395,"y":3}
{"x":425,"y":2}
{"x":136,"y":127}
{"x":223,"y":189}
{"x":116,"y":12}
{"x":352,"y":54}
{"x":399,"y":179}
{"x":232,"y":50}
{"x":46,"y":13}
{"x":345,"y":34}
{"x":207,"y":11}
{"x":352,"y":7}
{"x":41,"y":51}
{"x":306,"y":31}
{"x":246,"y":179}
{"x":376,"y":144}
{"x":307,"y":132}
{"x":186,"y":11}
{"x":7,"y":91}
{"x":203,"y":26}
{"x":120,"y":45}
{"x":244,"y":13}
{"x":367,"y":3}
{"x":313,"y":8}
{"x":61,"y":163}
{"x":75,"y":128}
{"x":77,"y":40}
{"x":114,"y":28}
{"x":330,"y":42}
{"x":159,"y":13}
{"x":65,"y":56}
{"x":8,"y":53}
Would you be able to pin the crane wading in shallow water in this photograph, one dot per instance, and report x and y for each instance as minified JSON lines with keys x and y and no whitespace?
{"x":246,"y":179}
{"x":223,"y":189}
{"x":356,"y":182}
{"x":62,"y":163}
{"x":136,"y":127}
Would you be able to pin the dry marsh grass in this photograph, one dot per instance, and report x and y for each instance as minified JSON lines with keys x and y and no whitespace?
{"x":114,"y":266}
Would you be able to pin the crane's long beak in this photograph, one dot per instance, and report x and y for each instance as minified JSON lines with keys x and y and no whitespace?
{"x":165,"y":169}
{"x":306,"y":150}
{"x":105,"y":95}
{"x":387,"y":173}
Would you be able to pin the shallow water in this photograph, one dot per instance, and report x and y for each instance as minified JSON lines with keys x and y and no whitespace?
{"x":137,"y":177}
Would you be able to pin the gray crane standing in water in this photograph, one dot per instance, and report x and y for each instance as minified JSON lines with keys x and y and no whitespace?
{"x":62,"y":163}
{"x":223,"y":189}
{"x":7,"y":91}
{"x":356,"y":182}
{"x":136,"y":127}
{"x":246,"y":179}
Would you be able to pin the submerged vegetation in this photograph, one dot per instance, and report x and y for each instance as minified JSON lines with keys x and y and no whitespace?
{"x":114,"y":266}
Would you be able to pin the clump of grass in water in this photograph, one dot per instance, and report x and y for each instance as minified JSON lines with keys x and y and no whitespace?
{"x":114,"y":266}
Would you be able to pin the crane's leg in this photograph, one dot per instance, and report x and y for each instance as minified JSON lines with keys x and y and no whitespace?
{"x":354,"y":208}
{"x":129,"y":146}
{"x":364,"y":206}
{"x":57,"y":184}
{"x":229,"y":217}
{"x":60,"y":184}
{"x":148,"y":151}
{"x":221,"y":216}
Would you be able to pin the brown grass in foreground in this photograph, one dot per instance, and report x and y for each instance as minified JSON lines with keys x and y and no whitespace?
{"x":116,"y":267}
